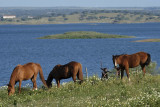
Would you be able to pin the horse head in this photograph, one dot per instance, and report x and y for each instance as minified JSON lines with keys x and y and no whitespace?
{"x":52,"y":75}
{"x":11,"y":90}
{"x":49,"y":84}
{"x":114,"y":58}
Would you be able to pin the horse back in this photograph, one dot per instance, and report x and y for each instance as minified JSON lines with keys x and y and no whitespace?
{"x":74,"y":66}
{"x":71,"y":69}
{"x":26,"y":71}
{"x":137,"y":59}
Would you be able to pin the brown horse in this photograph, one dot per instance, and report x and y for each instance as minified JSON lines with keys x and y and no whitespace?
{"x":72,"y":69}
{"x":25,"y":72}
{"x":130,"y":61}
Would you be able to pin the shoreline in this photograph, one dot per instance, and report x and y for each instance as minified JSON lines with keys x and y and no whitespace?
{"x":74,"y":23}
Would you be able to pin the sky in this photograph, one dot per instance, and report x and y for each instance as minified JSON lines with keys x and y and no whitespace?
{"x":80,"y":3}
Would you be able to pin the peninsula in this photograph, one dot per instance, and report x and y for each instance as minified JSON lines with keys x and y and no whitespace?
{"x":148,"y":40}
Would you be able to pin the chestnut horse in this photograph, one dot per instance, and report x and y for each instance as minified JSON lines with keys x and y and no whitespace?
{"x":25,"y":72}
{"x":130,"y":61}
{"x":72,"y":69}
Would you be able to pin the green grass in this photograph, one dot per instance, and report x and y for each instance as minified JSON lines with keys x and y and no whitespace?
{"x":139,"y":92}
{"x":83,"y":35}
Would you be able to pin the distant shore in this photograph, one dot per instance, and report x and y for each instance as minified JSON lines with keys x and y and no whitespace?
{"x":77,"y":22}
{"x":85,"y":16}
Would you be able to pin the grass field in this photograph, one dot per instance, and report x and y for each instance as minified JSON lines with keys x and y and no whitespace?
{"x":83,"y":35}
{"x":114,"y":92}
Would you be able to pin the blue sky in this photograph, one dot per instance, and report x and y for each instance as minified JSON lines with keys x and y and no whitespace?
{"x":79,"y":3}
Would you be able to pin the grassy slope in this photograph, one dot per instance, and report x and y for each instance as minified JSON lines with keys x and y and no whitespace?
{"x":141,"y":91}
{"x":83,"y":35}
{"x":148,"y":40}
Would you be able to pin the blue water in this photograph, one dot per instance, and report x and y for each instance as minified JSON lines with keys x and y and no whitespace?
{"x":18,"y":45}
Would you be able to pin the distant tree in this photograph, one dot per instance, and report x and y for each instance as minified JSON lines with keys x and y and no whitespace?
{"x":63,"y":15}
{"x":91,"y":17}
{"x":84,"y":13}
{"x":37,"y":17}
{"x":51,"y":19}
{"x":131,"y":15}
{"x":81,"y":18}
{"x":102,"y":17}
{"x":24,"y":19}
{"x":17,"y":20}
{"x":10,"y":20}
{"x":59,"y":14}
{"x":138,"y":18}
{"x":74,"y":13}
{"x":53,"y":14}
{"x":141,"y":15}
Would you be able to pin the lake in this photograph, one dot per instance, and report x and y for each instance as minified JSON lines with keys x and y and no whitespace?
{"x":18,"y":45}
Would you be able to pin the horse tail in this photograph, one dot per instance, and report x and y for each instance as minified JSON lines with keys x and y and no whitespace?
{"x":80,"y":73}
{"x":41,"y":76}
{"x":148,"y":59}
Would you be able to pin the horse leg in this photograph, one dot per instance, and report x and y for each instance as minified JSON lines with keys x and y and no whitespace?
{"x":122,"y":73}
{"x":80,"y":77}
{"x":127,"y":72}
{"x":143,"y":69}
{"x":20,"y":86}
{"x":74,"y":77}
{"x":58,"y":83}
{"x":33,"y":79}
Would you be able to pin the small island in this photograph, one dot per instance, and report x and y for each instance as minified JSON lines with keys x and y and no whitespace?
{"x":148,"y":40}
{"x":84,"y":35}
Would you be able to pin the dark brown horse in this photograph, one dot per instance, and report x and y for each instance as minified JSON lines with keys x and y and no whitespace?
{"x":72,"y":69}
{"x":130,"y":61}
{"x":25,"y":72}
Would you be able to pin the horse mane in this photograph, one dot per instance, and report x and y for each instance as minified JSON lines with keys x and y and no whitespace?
{"x":119,"y":55}
{"x":13,"y":76}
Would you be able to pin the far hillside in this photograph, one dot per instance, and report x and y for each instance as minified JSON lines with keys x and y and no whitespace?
{"x":79,"y":15}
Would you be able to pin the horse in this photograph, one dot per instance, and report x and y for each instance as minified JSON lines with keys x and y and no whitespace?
{"x":25,"y":72}
{"x":130,"y":61}
{"x":71,"y":69}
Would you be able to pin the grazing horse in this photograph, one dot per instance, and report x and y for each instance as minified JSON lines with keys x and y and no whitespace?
{"x":25,"y":72}
{"x":72,"y":69}
{"x":130,"y":61}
